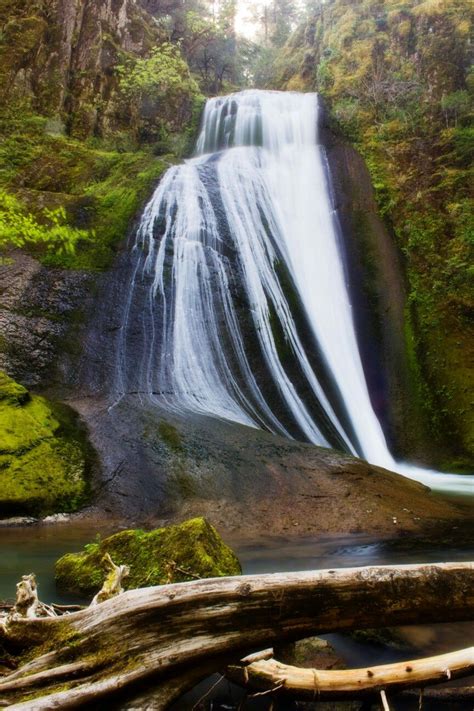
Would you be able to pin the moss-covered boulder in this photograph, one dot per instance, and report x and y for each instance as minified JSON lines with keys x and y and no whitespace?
{"x":42,"y":457}
{"x":172,"y":554}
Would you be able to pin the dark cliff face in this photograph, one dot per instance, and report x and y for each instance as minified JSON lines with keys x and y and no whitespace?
{"x":62,"y":55}
{"x":378,"y":293}
{"x":399,"y":85}
{"x":39,"y":308}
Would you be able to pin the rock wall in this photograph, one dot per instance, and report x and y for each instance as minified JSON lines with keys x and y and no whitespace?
{"x":378,"y":290}
{"x":38,"y":307}
{"x":61,"y":54}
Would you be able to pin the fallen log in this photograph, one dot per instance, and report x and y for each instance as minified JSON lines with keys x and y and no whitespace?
{"x":310,"y":684}
{"x":169,"y":635}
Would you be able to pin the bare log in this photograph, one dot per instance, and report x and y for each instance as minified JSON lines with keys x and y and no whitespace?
{"x":161,"y":634}
{"x":310,"y":684}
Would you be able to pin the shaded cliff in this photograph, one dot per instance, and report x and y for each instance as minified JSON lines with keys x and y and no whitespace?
{"x":79,"y":154}
{"x":397,"y":80}
{"x":378,"y":293}
{"x":62,"y":56}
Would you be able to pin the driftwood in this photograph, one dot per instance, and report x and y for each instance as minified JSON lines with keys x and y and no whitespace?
{"x":310,"y":684}
{"x":173,"y":635}
{"x":27,"y":605}
{"x":26,"y":602}
{"x":113,"y":582}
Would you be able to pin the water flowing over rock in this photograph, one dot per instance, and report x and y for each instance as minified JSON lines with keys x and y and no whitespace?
{"x":241,"y":288}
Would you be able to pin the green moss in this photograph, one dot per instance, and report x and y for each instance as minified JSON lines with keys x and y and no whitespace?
{"x":12,"y":393}
{"x":42,"y":454}
{"x":100,"y":184}
{"x":100,"y":190}
{"x":172,"y":554}
{"x":170,"y":435}
{"x":182,"y":484}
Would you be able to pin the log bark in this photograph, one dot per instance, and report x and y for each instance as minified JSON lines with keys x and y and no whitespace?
{"x":160,"y":634}
{"x":310,"y":684}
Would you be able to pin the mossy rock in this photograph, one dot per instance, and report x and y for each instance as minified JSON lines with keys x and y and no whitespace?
{"x":12,"y":393}
{"x":166,"y":555}
{"x":42,"y":462}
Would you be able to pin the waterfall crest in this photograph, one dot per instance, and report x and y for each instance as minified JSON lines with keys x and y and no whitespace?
{"x":240,"y":267}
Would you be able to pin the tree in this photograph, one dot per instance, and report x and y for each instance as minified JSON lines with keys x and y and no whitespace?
{"x":281,"y":21}
{"x":210,"y":46}
{"x":163,"y":75}
{"x":159,"y":89}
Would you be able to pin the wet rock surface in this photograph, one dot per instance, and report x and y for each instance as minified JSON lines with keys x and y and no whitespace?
{"x":40,"y":311}
{"x":159,"y":467}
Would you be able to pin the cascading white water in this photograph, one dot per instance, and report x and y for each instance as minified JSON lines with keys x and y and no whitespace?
{"x":226,"y":243}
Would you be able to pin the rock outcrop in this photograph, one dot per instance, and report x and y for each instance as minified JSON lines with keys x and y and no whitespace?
{"x":43,"y":461}
{"x":61,"y":54}
{"x":38,"y":306}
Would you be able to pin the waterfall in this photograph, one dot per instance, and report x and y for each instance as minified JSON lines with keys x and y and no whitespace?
{"x":239,"y":271}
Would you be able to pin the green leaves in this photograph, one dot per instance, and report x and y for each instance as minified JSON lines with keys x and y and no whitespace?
{"x":163,"y":75}
{"x":19,"y":228}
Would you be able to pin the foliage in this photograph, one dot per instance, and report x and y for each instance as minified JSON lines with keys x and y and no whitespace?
{"x":164,"y":75}
{"x":19,"y":228}
{"x":273,"y":23}
{"x":211,"y":48}
{"x":69,"y":201}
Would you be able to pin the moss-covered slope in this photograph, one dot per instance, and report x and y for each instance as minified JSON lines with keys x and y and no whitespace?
{"x":99,"y":186}
{"x":83,"y":115}
{"x":42,"y":455}
{"x":399,"y":82}
{"x":173,"y":554}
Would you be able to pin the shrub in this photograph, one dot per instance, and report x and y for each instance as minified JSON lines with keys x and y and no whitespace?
{"x":19,"y":228}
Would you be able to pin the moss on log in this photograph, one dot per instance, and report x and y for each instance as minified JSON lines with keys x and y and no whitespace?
{"x":173,"y":635}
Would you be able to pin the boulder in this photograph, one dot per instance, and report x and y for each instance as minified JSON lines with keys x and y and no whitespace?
{"x":42,"y":461}
{"x":187,"y":551}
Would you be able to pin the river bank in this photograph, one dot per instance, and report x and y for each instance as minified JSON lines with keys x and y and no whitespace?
{"x":36,"y":548}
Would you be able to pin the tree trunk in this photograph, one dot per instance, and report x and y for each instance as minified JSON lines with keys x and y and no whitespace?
{"x":164,"y":634}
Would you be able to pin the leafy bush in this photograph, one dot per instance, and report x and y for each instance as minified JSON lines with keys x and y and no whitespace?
{"x":164,"y":76}
{"x":19,"y":228}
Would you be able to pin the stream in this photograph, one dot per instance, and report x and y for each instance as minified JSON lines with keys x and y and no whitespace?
{"x":28,"y":549}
